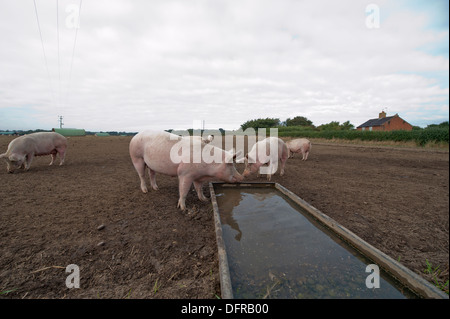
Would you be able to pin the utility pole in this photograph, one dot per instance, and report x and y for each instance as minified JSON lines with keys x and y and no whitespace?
{"x":60,"y":119}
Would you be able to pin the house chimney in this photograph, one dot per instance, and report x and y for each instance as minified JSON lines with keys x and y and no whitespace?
{"x":382,"y":115}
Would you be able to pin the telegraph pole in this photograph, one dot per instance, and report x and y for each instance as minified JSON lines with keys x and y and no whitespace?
{"x":60,"y":119}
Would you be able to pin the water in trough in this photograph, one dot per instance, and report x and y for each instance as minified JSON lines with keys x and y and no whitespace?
{"x":276,"y":250}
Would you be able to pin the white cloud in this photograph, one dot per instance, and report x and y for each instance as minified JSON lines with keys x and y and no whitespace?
{"x":164,"y":64}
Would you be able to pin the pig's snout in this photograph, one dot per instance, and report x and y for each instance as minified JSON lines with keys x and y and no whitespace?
{"x":246,"y":172}
{"x":237,"y":178}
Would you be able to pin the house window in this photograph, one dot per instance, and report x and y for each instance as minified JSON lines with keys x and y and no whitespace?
{"x":370,"y":128}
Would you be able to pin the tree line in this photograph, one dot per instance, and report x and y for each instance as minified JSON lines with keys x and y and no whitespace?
{"x":302,"y":127}
{"x":298,"y":121}
{"x":303,"y":123}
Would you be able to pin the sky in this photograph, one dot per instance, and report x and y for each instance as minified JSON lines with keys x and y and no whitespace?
{"x":116,"y":65}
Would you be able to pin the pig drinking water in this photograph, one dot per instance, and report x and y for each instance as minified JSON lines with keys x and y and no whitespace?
{"x":299,"y":145}
{"x":267,"y":151}
{"x":23,"y":149}
{"x":160,"y":153}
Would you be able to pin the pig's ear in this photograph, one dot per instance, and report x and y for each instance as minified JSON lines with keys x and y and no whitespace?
{"x":230,"y":155}
{"x":239,"y":159}
{"x":238,"y":154}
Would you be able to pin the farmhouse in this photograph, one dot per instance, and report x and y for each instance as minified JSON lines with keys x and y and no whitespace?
{"x":385,"y":123}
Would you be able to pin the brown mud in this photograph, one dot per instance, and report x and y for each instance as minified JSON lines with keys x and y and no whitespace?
{"x":92,"y":213}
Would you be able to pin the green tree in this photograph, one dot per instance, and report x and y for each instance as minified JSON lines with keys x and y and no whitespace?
{"x":335,"y":126}
{"x":263,"y":123}
{"x":332,"y":126}
{"x":347,"y":126}
{"x":442,"y":125}
{"x":299,"y":121}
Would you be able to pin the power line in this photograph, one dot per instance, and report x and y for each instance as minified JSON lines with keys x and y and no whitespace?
{"x":43,"y":50}
{"x":59,"y":63}
{"x":76,"y":25}
{"x":58,"y":101}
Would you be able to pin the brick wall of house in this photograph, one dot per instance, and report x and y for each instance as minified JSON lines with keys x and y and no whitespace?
{"x":396,"y":123}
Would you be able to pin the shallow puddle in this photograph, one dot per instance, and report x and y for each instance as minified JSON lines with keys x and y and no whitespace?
{"x":275,"y":251}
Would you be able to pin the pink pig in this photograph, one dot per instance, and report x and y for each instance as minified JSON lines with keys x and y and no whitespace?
{"x":266,"y":152}
{"x":23,"y":149}
{"x":160,"y":153}
{"x":299,"y":145}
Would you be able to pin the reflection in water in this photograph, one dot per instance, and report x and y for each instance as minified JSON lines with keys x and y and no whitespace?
{"x":229,"y":201}
{"x":275,"y":251}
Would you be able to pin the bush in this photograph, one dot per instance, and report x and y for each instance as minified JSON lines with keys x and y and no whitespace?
{"x":421,"y":137}
{"x":260,"y":123}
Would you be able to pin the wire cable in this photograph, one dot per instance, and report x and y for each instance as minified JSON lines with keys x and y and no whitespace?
{"x":43,"y":51}
{"x":59,"y":62}
{"x":76,"y":25}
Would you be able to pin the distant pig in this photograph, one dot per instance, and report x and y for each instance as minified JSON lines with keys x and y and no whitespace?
{"x":23,"y":149}
{"x":261,"y":154}
{"x":299,"y":145}
{"x":209,"y":139}
{"x":160,"y":153}
{"x":205,"y":140}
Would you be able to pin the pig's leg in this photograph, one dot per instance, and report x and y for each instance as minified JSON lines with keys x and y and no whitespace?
{"x":28,"y":160}
{"x":152,"y":174}
{"x":62,"y":155}
{"x":258,"y":165}
{"x":199,"y":188}
{"x":140,"y":165}
{"x":53,"y":158}
{"x":184,"y":185}
{"x":305,"y":157}
{"x":283,"y":159}
{"x":283,"y":163}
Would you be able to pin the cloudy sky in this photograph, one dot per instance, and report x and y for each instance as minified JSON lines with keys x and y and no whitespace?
{"x":131,"y":65}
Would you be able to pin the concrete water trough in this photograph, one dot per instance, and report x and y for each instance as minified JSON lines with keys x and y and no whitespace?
{"x":273,"y":244}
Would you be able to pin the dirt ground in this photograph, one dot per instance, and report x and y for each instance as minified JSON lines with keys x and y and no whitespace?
{"x":91,"y":212}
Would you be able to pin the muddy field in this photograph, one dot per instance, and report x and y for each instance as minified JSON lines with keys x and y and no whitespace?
{"x":91,"y":212}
